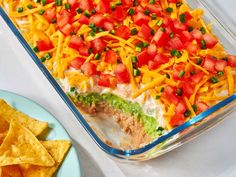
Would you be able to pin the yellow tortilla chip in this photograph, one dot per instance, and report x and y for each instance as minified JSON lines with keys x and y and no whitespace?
{"x":9,"y":113}
{"x":58,"y":150}
{"x":11,"y":171}
{"x":20,"y":146}
{"x":4,"y":125}
{"x":2,"y":137}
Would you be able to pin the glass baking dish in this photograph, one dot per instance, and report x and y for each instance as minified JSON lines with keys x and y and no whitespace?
{"x":103,"y":131}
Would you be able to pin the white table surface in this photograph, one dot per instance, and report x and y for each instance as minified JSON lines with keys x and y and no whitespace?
{"x":211,"y":155}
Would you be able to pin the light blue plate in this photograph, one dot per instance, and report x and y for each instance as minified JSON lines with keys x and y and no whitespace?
{"x":71,"y":165}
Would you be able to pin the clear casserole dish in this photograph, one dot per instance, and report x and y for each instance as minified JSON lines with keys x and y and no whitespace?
{"x":103,"y":132}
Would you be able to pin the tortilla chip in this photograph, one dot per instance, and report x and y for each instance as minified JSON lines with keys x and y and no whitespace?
{"x":9,"y":113}
{"x":21,"y":146}
{"x":58,"y":150}
{"x":11,"y":171}
{"x":2,"y":137}
{"x":4,"y":125}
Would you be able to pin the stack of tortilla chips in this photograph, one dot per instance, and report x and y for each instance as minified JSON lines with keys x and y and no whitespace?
{"x":21,"y":153}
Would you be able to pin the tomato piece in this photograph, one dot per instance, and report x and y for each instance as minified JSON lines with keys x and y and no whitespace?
{"x":89,"y":69}
{"x":123,"y":32}
{"x":50,"y":14}
{"x":73,"y":3}
{"x":84,"y":50}
{"x":232,"y":60}
{"x":107,"y":25}
{"x":153,"y":9}
{"x":186,"y":36}
{"x":139,"y":9}
{"x":188,"y":16}
{"x":145,"y":32}
{"x":187,"y":87}
{"x":169,"y":94}
{"x":104,"y":6}
{"x":77,"y":62}
{"x":210,"y":40}
{"x":201,"y":107}
{"x":172,"y":1}
{"x":176,"y":72}
{"x":179,"y":26}
{"x":220,"y":65}
{"x":161,"y":59}
{"x":197,"y":35}
{"x":67,"y":29}
{"x":152,"y":65}
{"x":196,"y":78}
{"x":64,"y":17}
{"x":111,"y":57}
{"x":83,"y":19}
{"x":44,"y":45}
{"x":97,"y":19}
{"x":104,"y":80}
{"x":143,"y":58}
{"x":180,"y":107}
{"x":75,"y":42}
{"x":191,"y":47}
{"x":140,"y":18}
{"x":98,"y":45}
{"x":177,"y":119}
{"x":175,"y":43}
{"x":121,"y":73}
{"x":209,"y":64}
{"x":152,"y":50}
{"x":160,"y":38}
{"x":127,"y":3}
{"x":86,"y":5}
{"x":119,"y":14}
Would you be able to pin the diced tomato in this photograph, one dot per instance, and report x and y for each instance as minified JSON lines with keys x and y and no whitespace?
{"x":104,"y":6}
{"x":140,"y":18}
{"x":209,"y":64}
{"x":143,"y":58}
{"x":187,"y":87}
{"x":77,"y":62}
{"x":83,"y":19}
{"x":202,"y":106}
{"x":210,"y":40}
{"x":127,"y":3}
{"x":160,"y":38}
{"x":145,"y":32}
{"x":152,"y":65}
{"x":50,"y":14}
{"x":197,"y":35}
{"x":121,"y":73}
{"x":73,"y":3}
{"x":89,"y":69}
{"x":170,"y":95}
{"x":64,"y":17}
{"x":84,"y":50}
{"x":168,"y":23}
{"x":75,"y":42}
{"x":179,"y":26}
{"x":86,"y":4}
{"x":97,"y":19}
{"x":161,"y":59}
{"x":153,"y":8}
{"x":111,"y":57}
{"x":119,"y":14}
{"x":191,"y":47}
{"x":98,"y":45}
{"x":186,"y":36}
{"x":180,"y":107}
{"x":188,"y":16}
{"x":104,"y":80}
{"x":172,"y":1}
{"x":67,"y":29}
{"x":196,"y":78}
{"x":123,"y":32}
{"x":176,"y":71}
{"x":175,"y":43}
{"x":220,"y":65}
{"x":232,"y":60}
{"x":152,"y":50}
{"x":44,"y":45}
{"x":139,"y":9}
{"x":108,"y":25}
{"x":177,"y":119}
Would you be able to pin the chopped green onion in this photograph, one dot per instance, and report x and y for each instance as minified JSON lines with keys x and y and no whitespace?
{"x":20,"y":9}
{"x":91,"y":25}
{"x":86,"y":13}
{"x":158,"y":97}
{"x":29,"y":6}
{"x":190,"y":28}
{"x":35,"y":49}
{"x":93,"y":11}
{"x":97,"y":56}
{"x":92,"y":33}
{"x":162,"y":29}
{"x":136,"y":72}
{"x":119,"y":3}
{"x":160,"y":129}
{"x":131,"y":11}
{"x":152,"y":32}
{"x":203,"y":42}
{"x":145,"y":44}
{"x":134,"y":59}
{"x":134,"y":31}
{"x":138,"y":49}
{"x":159,"y":22}
{"x":187,"y":113}
{"x":154,"y":16}
{"x":152,"y":1}
{"x":112,"y":31}
{"x":79,"y":10}
{"x":43,"y":2}
{"x":67,"y":6}
{"x":194,"y":108}
{"x":41,"y":11}
{"x":42,"y":59}
{"x":48,"y":56}
{"x":179,"y":92}
{"x":214,"y":80}
{"x":175,"y":53}
{"x":182,"y":18}
{"x":169,"y":9}
{"x":147,"y":12}
{"x":172,"y":35}
{"x":199,"y":61}
{"x":167,"y":76}
{"x":113,"y":7}
{"x":54,"y":21}
{"x":72,"y":89}
{"x":178,"y":4}
{"x":203,"y":30}
{"x":181,"y":73}
{"x":162,"y":89}
{"x":58,"y":2}
{"x":220,"y":73}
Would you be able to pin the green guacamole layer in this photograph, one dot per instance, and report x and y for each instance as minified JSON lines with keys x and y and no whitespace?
{"x":150,"y":124}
